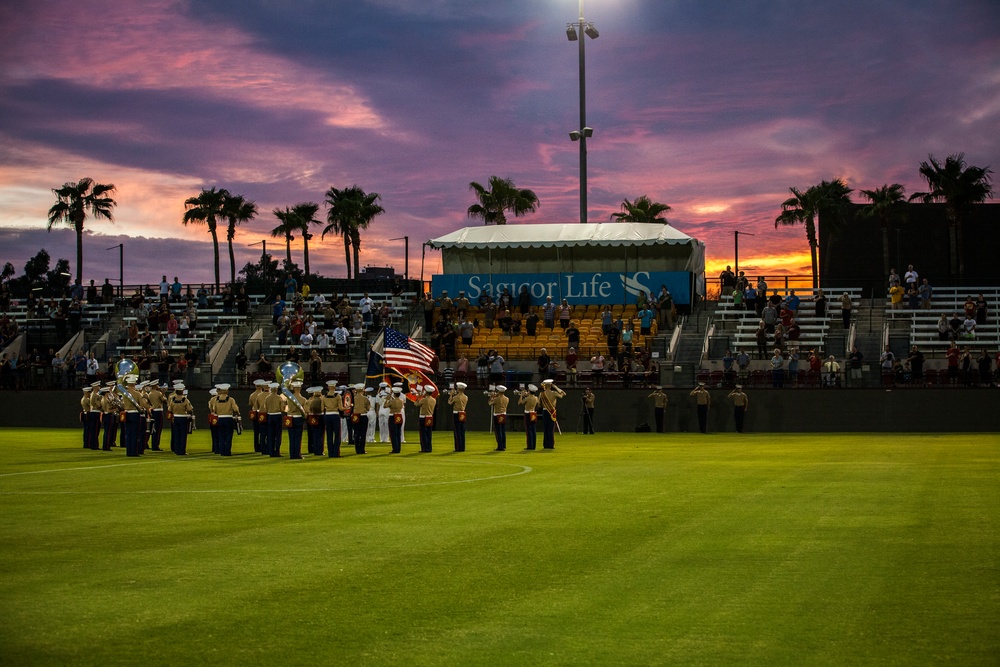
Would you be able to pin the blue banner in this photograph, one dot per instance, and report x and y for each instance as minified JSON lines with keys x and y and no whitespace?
{"x":601,"y":288}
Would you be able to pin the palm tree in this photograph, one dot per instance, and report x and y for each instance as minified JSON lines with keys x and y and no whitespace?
{"x":208,"y":207}
{"x":351,"y":210}
{"x":73,"y":202}
{"x":237,"y":211}
{"x":804,"y":207}
{"x":887,"y":206}
{"x":643,"y":209}
{"x":960,"y":187}
{"x":305,"y":215}
{"x":501,"y":196}
{"x":289,"y":225}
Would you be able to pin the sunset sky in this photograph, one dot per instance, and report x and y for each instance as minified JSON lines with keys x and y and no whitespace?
{"x":712,"y":107}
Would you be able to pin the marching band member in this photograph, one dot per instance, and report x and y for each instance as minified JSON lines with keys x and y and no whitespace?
{"x":529,"y":400}
{"x":426,"y":405}
{"x":180,"y":411}
{"x":118,"y":416}
{"x":402,"y":427}
{"x":274,"y":408}
{"x":314,"y":421}
{"x":85,"y":414}
{"x":359,"y":418}
{"x":213,"y":419}
{"x":550,"y":394}
{"x":227,"y":412}
{"x":395,"y":405}
{"x":294,"y":421}
{"x":110,"y":407}
{"x":259,"y":427}
{"x":331,"y":414}
{"x":372,"y":416}
{"x":458,"y":400}
{"x":382,"y":399}
{"x":135,"y":403}
{"x":156,"y":399}
{"x":94,"y":416}
{"x":498,"y":403}
{"x":346,"y":414}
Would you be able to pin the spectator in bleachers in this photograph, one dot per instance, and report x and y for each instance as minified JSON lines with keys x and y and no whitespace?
{"x":340,"y":338}
{"x":737,"y":296}
{"x":515,"y":325}
{"x":896,"y":297}
{"x":727,"y":281}
{"x":292,"y":354}
{"x":496,"y":367}
{"x":970,"y":307}
{"x":981,"y":309}
{"x":428,"y":305}
{"x":969,"y":328}
{"x":202,"y":297}
{"x":750,"y":298}
{"x":445,"y":305}
{"x":614,"y":338}
{"x":911,"y":278}
{"x":966,"y":360}
{"x":564,"y":314}
{"x":854,"y":361}
{"x":943,"y":328}
{"x":815,"y":362}
{"x":227,"y":301}
{"x":793,"y":366}
{"x":607,"y":320}
{"x":531,"y":323}
{"x":665,"y":308}
{"x":242,"y":302}
{"x":91,"y":296}
{"x":467,"y":331}
{"x":175,"y":290}
{"x":831,"y":372}
{"x":846,"y":306}
{"x":761,"y":294}
{"x":571,"y":361}
{"x":462,"y":304}
{"x":482,"y":366}
{"x":506,"y":322}
{"x":641,"y":300}
{"x":544,"y":360}
{"x":107,"y":292}
{"x":926,"y":293}
{"x":572,"y":334}
{"x":365,"y":305}
{"x":887,"y":361}
{"x":912,"y":300}
{"x":628,"y":334}
{"x":191,"y":361}
{"x":743,"y":363}
{"x":955,"y":323}
{"x":505,"y":301}
{"x":894,"y":280}
{"x":792,"y":302}
{"x":291,"y":288}
{"x":305,"y":339}
{"x":761,"y":337}
{"x":820,"y":304}
{"x":449,"y":339}
{"x":263,"y":365}
{"x":777,"y":369}
{"x":646,"y":317}
{"x":184,"y":328}
{"x":985,"y":369}
{"x":322,"y":342}
{"x":78,"y":370}
{"x":549,"y":313}
{"x":794,"y":331}
{"x":954,"y":356}
{"x":357,"y":325}
{"x":729,"y":367}
{"x":785,"y":315}
{"x":524,"y":300}
{"x":93,"y":368}
{"x":769,"y":315}
{"x":916,"y":360}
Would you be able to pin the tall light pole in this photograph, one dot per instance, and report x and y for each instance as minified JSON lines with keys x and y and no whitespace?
{"x":121,"y":269}
{"x":575,"y":33}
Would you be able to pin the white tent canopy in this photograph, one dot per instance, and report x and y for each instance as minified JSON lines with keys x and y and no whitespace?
{"x":529,"y":248}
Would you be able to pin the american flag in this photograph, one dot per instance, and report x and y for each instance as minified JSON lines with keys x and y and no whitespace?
{"x":404,"y":353}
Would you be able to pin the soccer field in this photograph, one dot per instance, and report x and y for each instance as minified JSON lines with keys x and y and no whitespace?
{"x":628,"y":549}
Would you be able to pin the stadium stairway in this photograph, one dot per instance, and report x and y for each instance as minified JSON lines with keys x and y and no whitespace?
{"x":689,"y":348}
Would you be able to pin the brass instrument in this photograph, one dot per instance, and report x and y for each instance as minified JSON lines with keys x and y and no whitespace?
{"x":287,"y":373}
{"x":123,"y":369}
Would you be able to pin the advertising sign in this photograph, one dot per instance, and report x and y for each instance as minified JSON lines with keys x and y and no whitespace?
{"x":601,"y":288}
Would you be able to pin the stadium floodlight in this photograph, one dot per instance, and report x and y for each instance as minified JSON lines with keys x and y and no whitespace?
{"x":574,"y":33}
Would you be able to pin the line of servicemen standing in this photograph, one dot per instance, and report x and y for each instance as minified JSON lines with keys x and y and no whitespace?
{"x":135,"y":413}
{"x":703,"y":403}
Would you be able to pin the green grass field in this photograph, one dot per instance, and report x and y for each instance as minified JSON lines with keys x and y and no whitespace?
{"x":628,"y":549}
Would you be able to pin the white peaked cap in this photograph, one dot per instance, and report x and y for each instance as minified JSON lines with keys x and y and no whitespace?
{"x":532,"y":387}
{"x":179,"y":387}
{"x":397,"y":390}
{"x":461,"y":385}
{"x":258,"y":382}
{"x":501,"y":388}
{"x":273,"y":385}
{"x":213,"y":391}
{"x":222,"y":387}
